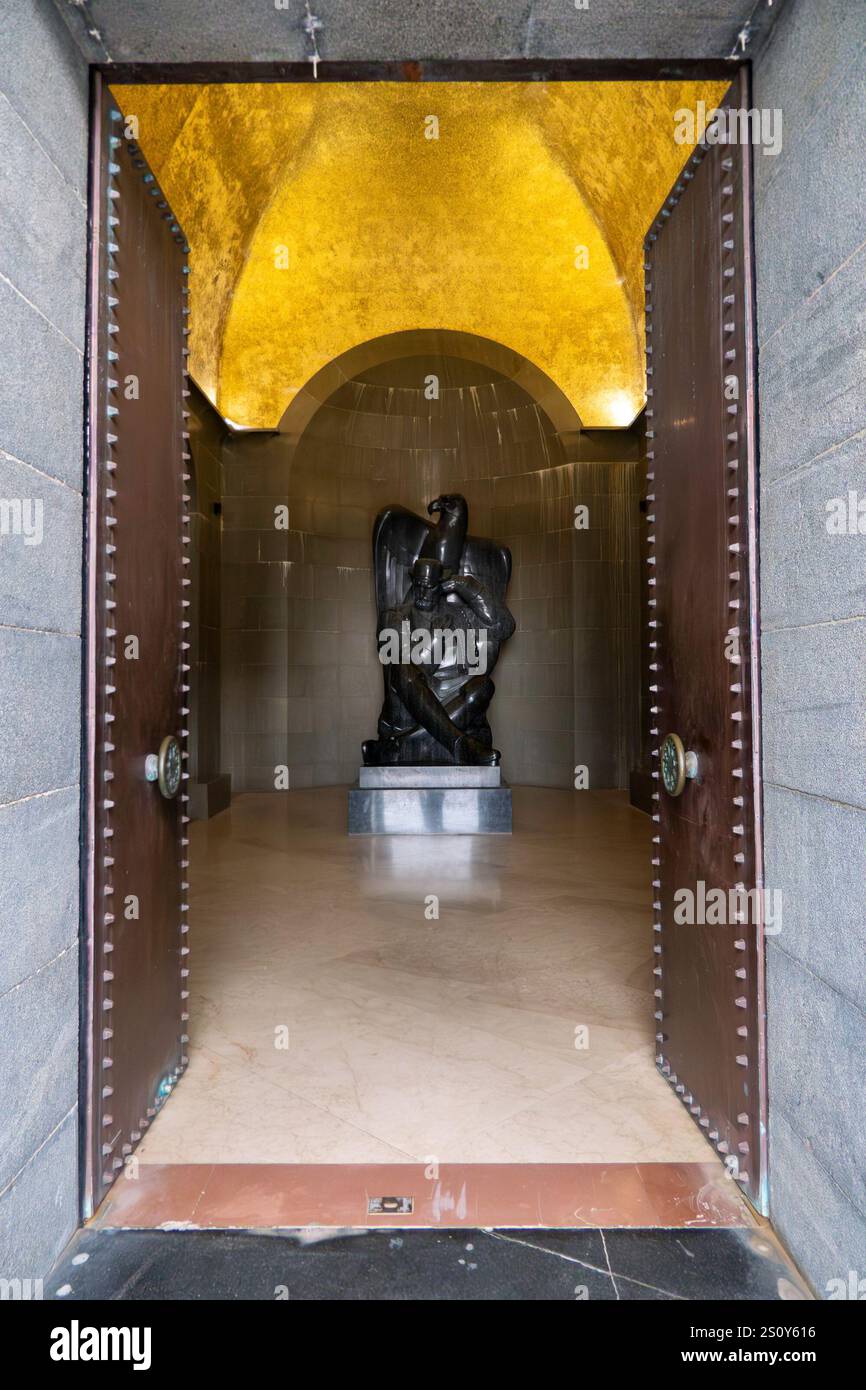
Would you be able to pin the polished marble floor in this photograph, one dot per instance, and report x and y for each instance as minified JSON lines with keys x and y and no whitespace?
{"x":391,"y":1000}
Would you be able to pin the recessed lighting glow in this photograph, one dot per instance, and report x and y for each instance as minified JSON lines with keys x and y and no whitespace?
{"x":621,"y":408}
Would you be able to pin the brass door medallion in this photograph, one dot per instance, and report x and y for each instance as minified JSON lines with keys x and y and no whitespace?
{"x":673,"y":761}
{"x":168,"y":766}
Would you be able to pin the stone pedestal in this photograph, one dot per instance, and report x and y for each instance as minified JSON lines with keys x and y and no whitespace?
{"x":430,"y":801}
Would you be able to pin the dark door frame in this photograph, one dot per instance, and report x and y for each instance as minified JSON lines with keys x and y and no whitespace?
{"x":207,"y":73}
{"x":431,"y":70}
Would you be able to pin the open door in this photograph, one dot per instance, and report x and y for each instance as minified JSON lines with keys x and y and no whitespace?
{"x":704,"y":672}
{"x":137,"y":675}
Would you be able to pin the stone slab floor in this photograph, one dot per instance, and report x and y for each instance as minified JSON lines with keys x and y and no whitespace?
{"x":589,"y":1265}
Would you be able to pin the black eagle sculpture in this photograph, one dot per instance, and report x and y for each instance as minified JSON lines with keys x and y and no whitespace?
{"x":442,"y":619}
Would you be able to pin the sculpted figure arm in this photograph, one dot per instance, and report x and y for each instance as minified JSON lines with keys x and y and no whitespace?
{"x":492,"y":615}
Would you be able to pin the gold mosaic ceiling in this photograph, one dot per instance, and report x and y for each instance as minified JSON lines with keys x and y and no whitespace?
{"x":321,"y":215}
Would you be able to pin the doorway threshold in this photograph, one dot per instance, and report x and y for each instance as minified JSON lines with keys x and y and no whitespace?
{"x":244,"y":1196}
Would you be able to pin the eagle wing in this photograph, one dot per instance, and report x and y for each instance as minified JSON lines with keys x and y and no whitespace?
{"x":398,"y":536}
{"x":488,"y":561}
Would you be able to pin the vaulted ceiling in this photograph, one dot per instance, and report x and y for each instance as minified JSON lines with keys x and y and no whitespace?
{"x":321,"y":215}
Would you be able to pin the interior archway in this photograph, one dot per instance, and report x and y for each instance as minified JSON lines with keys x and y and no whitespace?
{"x":431,"y":343}
{"x":400,"y":419}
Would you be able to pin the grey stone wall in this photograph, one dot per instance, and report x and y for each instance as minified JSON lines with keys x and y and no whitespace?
{"x":811,"y":281}
{"x":155,"y":31}
{"x":263,"y":578}
{"x":568,"y":680}
{"x":43,"y":224}
{"x":210,"y":786}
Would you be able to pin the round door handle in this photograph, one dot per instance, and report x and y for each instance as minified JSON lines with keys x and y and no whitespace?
{"x":677,"y":765}
{"x":164,"y":767}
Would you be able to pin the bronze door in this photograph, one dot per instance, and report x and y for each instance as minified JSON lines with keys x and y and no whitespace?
{"x":137,"y":603}
{"x":702,"y":614}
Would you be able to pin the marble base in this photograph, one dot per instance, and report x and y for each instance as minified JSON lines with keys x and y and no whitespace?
{"x":430,"y":801}
{"x":429,"y":775}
